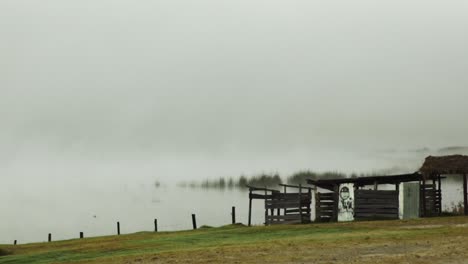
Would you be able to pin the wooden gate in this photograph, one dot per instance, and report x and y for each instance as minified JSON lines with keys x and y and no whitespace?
{"x":326,"y":207}
{"x":375,"y":204}
{"x":431,"y":199}
{"x":295,"y":208}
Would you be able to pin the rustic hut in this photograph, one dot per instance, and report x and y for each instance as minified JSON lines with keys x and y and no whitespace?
{"x":432,"y":169}
{"x":347,"y":199}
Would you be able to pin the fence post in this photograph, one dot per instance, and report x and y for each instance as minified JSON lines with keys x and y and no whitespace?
{"x":194,"y":221}
{"x":465,"y":193}
{"x":50,"y":237}
{"x":439,"y":187}
{"x":284,"y":210}
{"x":309,"y":210}
{"x":81,"y":235}
{"x":14,"y":243}
{"x":155,"y":225}
{"x":118,"y":228}
{"x":233,"y":213}
{"x":266,"y":209}
{"x":300,"y":202}
{"x":250,"y":206}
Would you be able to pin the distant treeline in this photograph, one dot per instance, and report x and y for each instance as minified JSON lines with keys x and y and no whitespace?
{"x":301,"y":177}
{"x":240,"y":182}
{"x":271,"y":180}
{"x":264,"y":179}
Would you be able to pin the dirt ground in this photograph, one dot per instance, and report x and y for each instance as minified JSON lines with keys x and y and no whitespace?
{"x":453,"y":250}
{"x":443,"y":240}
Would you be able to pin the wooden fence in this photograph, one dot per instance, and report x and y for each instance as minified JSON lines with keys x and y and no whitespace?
{"x":283,"y":208}
{"x":431,"y":200}
{"x":295,"y":208}
{"x":326,"y":207}
{"x":376,"y":204}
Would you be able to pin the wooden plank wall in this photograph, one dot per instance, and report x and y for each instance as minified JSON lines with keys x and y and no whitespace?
{"x":295,"y":208}
{"x":375,"y":204}
{"x":326,"y":205}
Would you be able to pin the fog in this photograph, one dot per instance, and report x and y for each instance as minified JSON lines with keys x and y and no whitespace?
{"x":112,"y":92}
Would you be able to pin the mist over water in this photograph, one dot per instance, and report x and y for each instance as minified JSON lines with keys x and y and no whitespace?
{"x":66,"y":195}
{"x":101,"y":99}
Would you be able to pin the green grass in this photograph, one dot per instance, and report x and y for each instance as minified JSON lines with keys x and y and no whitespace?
{"x":228,"y":240}
{"x":143,"y":243}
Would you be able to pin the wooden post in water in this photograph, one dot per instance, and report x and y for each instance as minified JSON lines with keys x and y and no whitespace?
{"x":81,"y":235}
{"x":233,"y":214}
{"x":155,"y":225}
{"x":465,"y":193}
{"x":118,"y":228}
{"x":194,"y":221}
{"x":250,"y":207}
{"x":49,"y":238}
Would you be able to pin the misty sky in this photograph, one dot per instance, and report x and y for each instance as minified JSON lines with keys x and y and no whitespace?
{"x":219,"y":88}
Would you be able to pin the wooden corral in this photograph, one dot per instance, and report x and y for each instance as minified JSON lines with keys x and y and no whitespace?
{"x":359,"y":202}
{"x":295,"y":206}
{"x":283,"y":208}
{"x":264,"y":195}
{"x":368,"y":204}
{"x":373,"y":204}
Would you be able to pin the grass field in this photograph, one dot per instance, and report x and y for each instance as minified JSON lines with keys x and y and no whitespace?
{"x":431,"y":240}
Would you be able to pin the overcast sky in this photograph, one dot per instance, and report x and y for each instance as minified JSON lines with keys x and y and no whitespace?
{"x":100,"y":86}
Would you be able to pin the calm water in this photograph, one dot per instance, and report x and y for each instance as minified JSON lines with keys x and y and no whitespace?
{"x":64,"y":213}
{"x":31,"y":218}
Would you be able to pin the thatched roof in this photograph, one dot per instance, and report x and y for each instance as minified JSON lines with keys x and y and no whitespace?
{"x":453,"y":164}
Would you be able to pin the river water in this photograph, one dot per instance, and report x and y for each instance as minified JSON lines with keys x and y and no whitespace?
{"x":64,"y":214}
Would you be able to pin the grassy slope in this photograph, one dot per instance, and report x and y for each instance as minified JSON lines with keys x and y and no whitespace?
{"x":434,"y":240}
